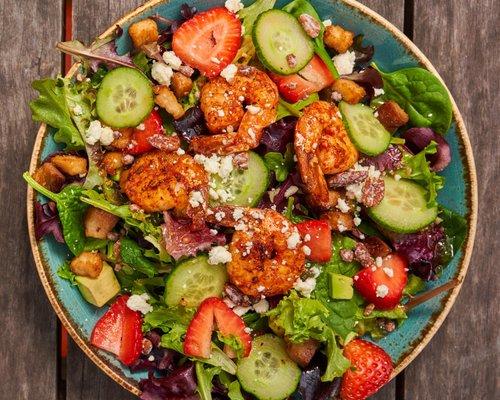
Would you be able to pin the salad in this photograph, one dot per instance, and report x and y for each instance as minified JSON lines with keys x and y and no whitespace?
{"x":251,"y":198}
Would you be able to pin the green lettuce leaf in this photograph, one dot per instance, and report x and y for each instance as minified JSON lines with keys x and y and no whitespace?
{"x":132,"y":254}
{"x":281,"y":165}
{"x":64,"y":272}
{"x":204,"y":377}
{"x":285,"y":109}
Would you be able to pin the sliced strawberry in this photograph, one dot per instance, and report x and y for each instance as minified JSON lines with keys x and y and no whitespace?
{"x":119,"y":332}
{"x":209,"y":41}
{"x":371,"y":368}
{"x":107,"y":332}
{"x":153,"y":125}
{"x":131,"y":345}
{"x":383,"y":286}
{"x":199,"y":332}
{"x":317,"y":237}
{"x":314,"y":77}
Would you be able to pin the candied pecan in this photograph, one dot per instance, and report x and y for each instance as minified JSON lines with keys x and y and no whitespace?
{"x":291,"y":59}
{"x":310,"y":25}
{"x":346,"y":255}
{"x":373,"y":192}
{"x":377,"y":247}
{"x":368,"y":309}
{"x":186,"y":70}
{"x":240,"y":160}
{"x":362,"y":255}
{"x":236,"y":296}
{"x":164,"y":143}
{"x":147,"y":346}
{"x":349,"y":177}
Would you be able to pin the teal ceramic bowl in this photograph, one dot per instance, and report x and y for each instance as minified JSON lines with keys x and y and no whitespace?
{"x":392,"y":51}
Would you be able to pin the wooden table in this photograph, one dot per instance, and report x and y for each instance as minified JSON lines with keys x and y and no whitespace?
{"x":459,"y":36}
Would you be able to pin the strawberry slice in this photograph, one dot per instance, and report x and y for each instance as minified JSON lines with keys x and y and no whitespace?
{"x":317,"y":237}
{"x":199,"y":333}
{"x":314,"y":77}
{"x":371,"y":368}
{"x":383,"y":286}
{"x":119,"y":332}
{"x":153,"y":125}
{"x":209,"y":41}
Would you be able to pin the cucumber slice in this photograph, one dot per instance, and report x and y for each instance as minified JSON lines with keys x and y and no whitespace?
{"x":194,"y":280}
{"x":268,"y":373}
{"x":403,"y":208}
{"x":245,"y":187}
{"x":366,"y":132}
{"x":124,"y":98}
{"x":276,"y":35}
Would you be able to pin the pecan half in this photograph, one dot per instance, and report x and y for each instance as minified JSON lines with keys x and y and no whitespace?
{"x":310,"y":24}
{"x":373,"y":192}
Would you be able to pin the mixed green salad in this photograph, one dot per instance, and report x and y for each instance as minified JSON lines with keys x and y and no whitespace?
{"x":253,"y":200}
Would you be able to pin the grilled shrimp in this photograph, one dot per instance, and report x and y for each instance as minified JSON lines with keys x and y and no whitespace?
{"x":322,"y":148}
{"x":160,"y":181}
{"x":267,"y":252}
{"x":223,"y":102}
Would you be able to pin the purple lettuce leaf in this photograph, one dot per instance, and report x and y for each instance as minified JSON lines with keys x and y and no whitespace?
{"x":191,"y":124}
{"x":389,"y":160}
{"x":180,"y":384}
{"x":277,"y":135}
{"x":369,"y":78}
{"x":417,"y":139}
{"x":47,"y":221}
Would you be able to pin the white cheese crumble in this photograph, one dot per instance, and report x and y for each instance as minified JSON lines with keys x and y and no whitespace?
{"x":98,"y":133}
{"x":180,"y":152}
{"x":78,"y":110}
{"x":293,"y":240}
{"x":291,"y":191}
{"x":139,"y":302}
{"x":234,"y":5}
{"x":253,"y":109}
{"x":378,"y":92}
{"x":397,"y":177}
{"x":382,"y":291}
{"x":357,"y":221}
{"x":388,"y":271}
{"x":261,"y":307}
{"x":305,"y":287}
{"x":342,"y":205}
{"x":378,"y":261}
{"x":226,"y":166}
{"x":307,"y":237}
{"x":221,"y":113}
{"x":307,"y":250}
{"x":151,"y":358}
{"x":172,"y":60}
{"x":336,"y":96}
{"x":327,"y":22}
{"x":229,"y":72}
{"x":237,"y":214}
{"x":196,"y":198}
{"x":345,"y":62}
{"x":239,"y":310}
{"x":140,"y":127}
{"x":261,"y":288}
{"x":219,"y":255}
{"x":161,"y":73}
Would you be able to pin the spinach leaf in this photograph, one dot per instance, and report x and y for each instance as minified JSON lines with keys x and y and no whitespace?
{"x":421,"y":94}
{"x":92,"y":244}
{"x":51,"y":108}
{"x":279,"y":164}
{"x":70,"y":210}
{"x":299,"y":7}
{"x":64,"y":272}
{"x":285,"y":109}
{"x":455,"y":227}
{"x":132,"y":254}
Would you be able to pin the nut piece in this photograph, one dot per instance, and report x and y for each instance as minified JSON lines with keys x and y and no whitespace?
{"x":112,"y":162}
{"x":49,"y":177}
{"x":181,"y":85}
{"x":310,"y":25}
{"x":338,"y":38}
{"x":291,"y":59}
{"x":302,"y":353}
{"x":339,"y":221}
{"x":166,"y":99}
{"x":351,"y":92}
{"x":143,"y":32}
{"x":87,"y":264}
{"x":98,"y":223}
{"x":392,"y":116}
{"x":70,"y":164}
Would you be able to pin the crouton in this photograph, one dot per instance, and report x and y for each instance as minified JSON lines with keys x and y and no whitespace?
{"x":338,"y":38}
{"x":391,"y":115}
{"x":302,"y":353}
{"x":49,"y":177}
{"x":181,"y":85}
{"x":70,"y":164}
{"x":350,"y":91}
{"x":123,"y":140}
{"x":112,"y":162}
{"x":98,"y":223}
{"x":87,"y":264}
{"x":143,"y":32}
{"x":166,"y":99}
{"x":339,"y":221}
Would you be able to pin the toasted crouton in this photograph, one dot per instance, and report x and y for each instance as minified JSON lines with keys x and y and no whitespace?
{"x":181,"y":85}
{"x":302,"y":353}
{"x":87,"y":264}
{"x":391,"y":115}
{"x":70,"y":164}
{"x":112,"y":162}
{"x":123,"y":140}
{"x":339,"y":221}
{"x":98,"y":223}
{"x":49,"y":177}
{"x":350,"y":91}
{"x":143,"y":32}
{"x":166,"y":99}
{"x":338,"y":38}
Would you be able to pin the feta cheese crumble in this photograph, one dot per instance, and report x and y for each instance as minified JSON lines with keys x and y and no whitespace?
{"x":378,"y":92}
{"x":196,"y":198}
{"x":139,"y":302}
{"x":378,"y":261}
{"x":98,"y":133}
{"x":305,"y":287}
{"x":291,"y":191}
{"x":382,"y":291}
{"x":293,"y":240}
{"x":172,"y":60}
{"x":161,"y":73}
{"x":307,"y":250}
{"x":327,"y":22}
{"x":342,"y":205}
{"x":229,"y":72}
{"x":336,"y":96}
{"x":219,"y":255}
{"x":345,"y":62}
{"x":253,"y":109}
{"x":261,"y":307}
{"x":234,"y":5}
{"x":388,"y":271}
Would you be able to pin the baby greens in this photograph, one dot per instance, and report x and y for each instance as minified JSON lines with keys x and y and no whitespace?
{"x":132,"y":254}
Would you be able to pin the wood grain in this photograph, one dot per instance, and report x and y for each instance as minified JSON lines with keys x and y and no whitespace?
{"x":461,"y":39}
{"x":28,"y":339}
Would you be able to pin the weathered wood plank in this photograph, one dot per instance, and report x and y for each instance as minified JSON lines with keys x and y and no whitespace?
{"x":461,"y":39}
{"x":28,"y":334}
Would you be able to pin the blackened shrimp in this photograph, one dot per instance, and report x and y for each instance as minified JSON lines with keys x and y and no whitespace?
{"x":223,"y":103}
{"x":322,"y":148}
{"x":266,"y":249}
